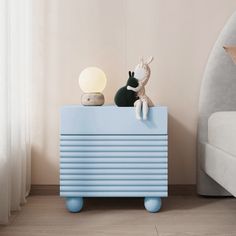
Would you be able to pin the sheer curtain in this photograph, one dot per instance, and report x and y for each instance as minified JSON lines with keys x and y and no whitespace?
{"x":15,"y":76}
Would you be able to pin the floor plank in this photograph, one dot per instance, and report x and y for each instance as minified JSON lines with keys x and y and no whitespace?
{"x":180,"y":215}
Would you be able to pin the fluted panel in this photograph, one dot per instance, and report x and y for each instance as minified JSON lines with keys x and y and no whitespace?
{"x":78,"y":177}
{"x":113,"y":171}
{"x":114,"y":148}
{"x":114,"y":160}
{"x":108,"y":182}
{"x":113,"y":165}
{"x":123,"y":188}
{"x":115,"y":194}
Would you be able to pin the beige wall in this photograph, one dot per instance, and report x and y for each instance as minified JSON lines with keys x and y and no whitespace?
{"x":112,"y":34}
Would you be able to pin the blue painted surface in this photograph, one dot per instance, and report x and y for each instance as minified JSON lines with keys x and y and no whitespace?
{"x":114,"y":177}
{"x":126,"y":137}
{"x":108,"y":182}
{"x":111,"y":120}
{"x":111,"y":172}
{"x":123,"y":143}
{"x":112,"y":154}
{"x":74,"y":204}
{"x":113,"y":148}
{"x":110,"y":188}
{"x":115,"y":194}
{"x":106,"y":152}
{"x":131,"y":165}
{"x":152,"y":204}
{"x":113,"y":160}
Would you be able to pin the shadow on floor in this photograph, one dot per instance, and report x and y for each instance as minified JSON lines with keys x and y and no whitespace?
{"x":171,"y":203}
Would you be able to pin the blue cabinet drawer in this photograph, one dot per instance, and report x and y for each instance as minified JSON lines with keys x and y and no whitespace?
{"x":111,"y":120}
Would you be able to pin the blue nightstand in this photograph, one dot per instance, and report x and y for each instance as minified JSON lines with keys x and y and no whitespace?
{"x":106,"y":152}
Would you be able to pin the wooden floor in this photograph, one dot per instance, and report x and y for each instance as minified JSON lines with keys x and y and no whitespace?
{"x":186,"y":215}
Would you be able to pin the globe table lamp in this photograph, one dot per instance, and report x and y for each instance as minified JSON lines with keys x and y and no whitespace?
{"x":92,"y":81}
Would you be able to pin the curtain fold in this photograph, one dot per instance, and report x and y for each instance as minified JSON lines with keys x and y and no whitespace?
{"x":15,"y":84}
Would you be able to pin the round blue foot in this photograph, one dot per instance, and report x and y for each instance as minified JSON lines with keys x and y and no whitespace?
{"x":152,"y":204}
{"x":74,"y":204}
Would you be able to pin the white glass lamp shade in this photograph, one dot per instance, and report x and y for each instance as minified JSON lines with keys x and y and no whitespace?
{"x":92,"y":80}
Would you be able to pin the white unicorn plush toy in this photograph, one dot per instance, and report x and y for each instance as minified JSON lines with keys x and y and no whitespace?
{"x":142,"y":73}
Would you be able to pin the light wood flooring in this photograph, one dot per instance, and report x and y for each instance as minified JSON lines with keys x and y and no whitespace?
{"x":180,"y":215}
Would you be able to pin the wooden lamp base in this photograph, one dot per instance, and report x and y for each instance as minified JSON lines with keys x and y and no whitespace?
{"x":92,"y":99}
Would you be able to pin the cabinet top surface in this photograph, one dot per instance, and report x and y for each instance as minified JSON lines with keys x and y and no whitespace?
{"x":104,"y":107}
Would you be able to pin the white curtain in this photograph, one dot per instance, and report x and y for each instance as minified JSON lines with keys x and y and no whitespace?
{"x":15,"y":77}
